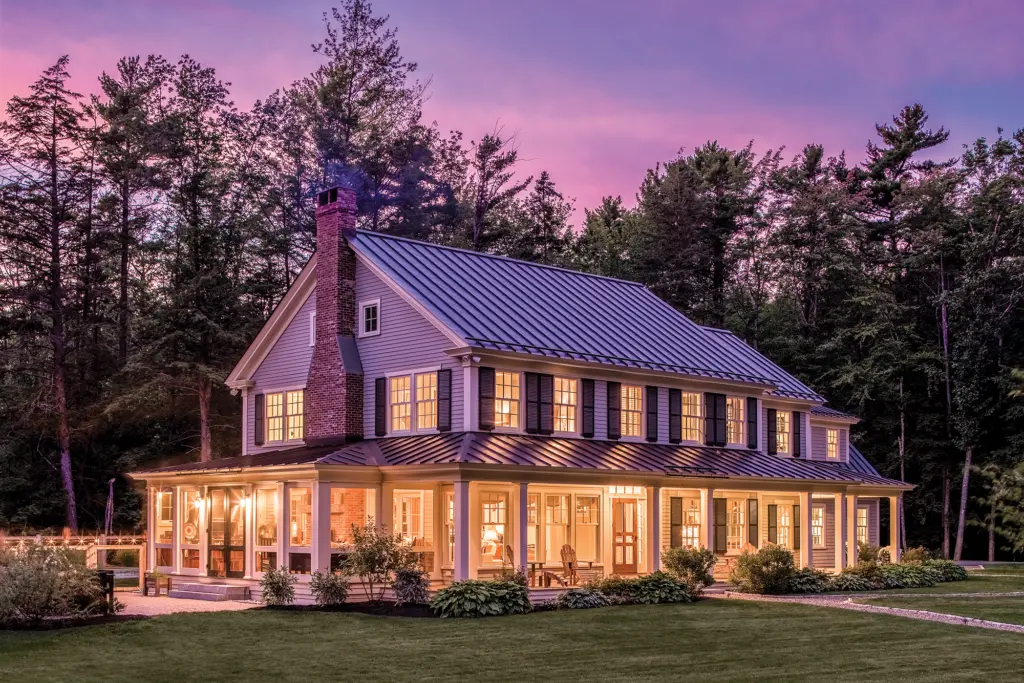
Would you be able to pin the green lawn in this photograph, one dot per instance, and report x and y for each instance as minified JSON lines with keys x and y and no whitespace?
{"x":977,"y":582}
{"x":714,"y":640}
{"x":1006,"y":610}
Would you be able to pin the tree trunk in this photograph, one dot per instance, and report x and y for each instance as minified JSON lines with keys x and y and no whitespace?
{"x":992,"y":530}
{"x":944,"y":330}
{"x":205,"y":443}
{"x":122,"y":295}
{"x":962,"y":519}
{"x":946,"y":485}
{"x":902,"y":538}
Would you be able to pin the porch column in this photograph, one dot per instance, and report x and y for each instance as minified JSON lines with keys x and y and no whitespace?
{"x":386,"y":508}
{"x":707,"y":501}
{"x":894,"y":528}
{"x":461,"y":530}
{"x":806,"y":533}
{"x":840,"y":527}
{"x":522,"y":527}
{"x":440,"y":537}
{"x":851,"y":530}
{"x":282,"y":526}
{"x":654,"y":529}
{"x":204,"y":535}
{"x":151,"y":527}
{"x":249,"y":562}
{"x":176,"y":514}
{"x":321,"y":550}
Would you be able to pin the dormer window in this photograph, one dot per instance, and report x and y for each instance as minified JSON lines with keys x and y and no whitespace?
{"x":369,"y":318}
{"x":832,"y":444}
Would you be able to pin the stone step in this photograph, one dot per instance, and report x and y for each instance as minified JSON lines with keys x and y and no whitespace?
{"x":192,"y":595}
{"x":211,"y":591}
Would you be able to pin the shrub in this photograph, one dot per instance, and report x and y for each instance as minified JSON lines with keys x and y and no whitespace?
{"x":766,"y":571}
{"x":513,"y":575}
{"x":328,"y":588}
{"x":908,"y":576}
{"x":692,"y":566}
{"x":918,"y":554}
{"x":871,"y":553}
{"x":277,"y":587}
{"x":411,"y":586}
{"x":947,"y":569}
{"x":581,"y":598}
{"x":618,"y":590}
{"x":848,"y":581}
{"x":38,"y":583}
{"x":809,"y":580}
{"x":375,"y":558}
{"x":472,"y":598}
{"x":646,"y":590}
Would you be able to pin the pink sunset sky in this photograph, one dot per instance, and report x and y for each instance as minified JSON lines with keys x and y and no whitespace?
{"x":597,"y":91}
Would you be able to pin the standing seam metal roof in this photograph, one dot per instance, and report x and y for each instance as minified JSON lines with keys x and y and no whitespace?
{"x":504,"y":304}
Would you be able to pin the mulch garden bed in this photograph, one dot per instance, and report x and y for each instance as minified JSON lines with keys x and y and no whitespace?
{"x":377,"y":609}
{"x":58,"y":623}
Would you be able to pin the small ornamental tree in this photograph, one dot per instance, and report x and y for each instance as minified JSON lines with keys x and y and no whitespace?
{"x":376,"y":557}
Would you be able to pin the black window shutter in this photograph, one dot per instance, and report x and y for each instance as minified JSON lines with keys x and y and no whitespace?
{"x":258,"y":431}
{"x":380,"y":406}
{"x":796,"y":527}
{"x":614,"y":410}
{"x":752,"y":432}
{"x":485,"y":397}
{"x":721,"y":520}
{"x":752,"y":534}
{"x":773,"y":523}
{"x":796,"y":434}
{"x":532,"y":380}
{"x":444,"y":400}
{"x":676,"y":522}
{"x":720,"y":415}
{"x":675,"y":415}
{"x":547,"y":404}
{"x":587,"y":391}
{"x":714,"y":419}
{"x":652,"y":413}
{"x":773,"y":438}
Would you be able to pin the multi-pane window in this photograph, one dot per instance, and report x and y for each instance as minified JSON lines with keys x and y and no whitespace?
{"x":426,"y":400}
{"x":506,"y":400}
{"x":300,"y":517}
{"x":295,"y":414}
{"x":275,"y":417}
{"x":818,"y":526}
{"x":588,"y":520}
{"x":785,"y":526}
{"x":691,"y":417}
{"x":493,"y":518}
{"x":735,"y":526}
{"x":832,"y":444}
{"x":862,"y":525}
{"x":565,"y":405}
{"x":449,"y":526}
{"x":632,"y":409}
{"x":782,"y":431}
{"x":191,"y":504}
{"x":165,"y":516}
{"x":408,"y":516}
{"x":691,"y":523}
{"x":401,"y":403}
{"x":556,"y":525}
{"x":734,"y":420}
{"x":266,"y":517}
{"x":369,"y":318}
{"x":532,"y":526}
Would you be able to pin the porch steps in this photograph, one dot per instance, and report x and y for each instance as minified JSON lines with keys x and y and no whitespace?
{"x":216,"y":592}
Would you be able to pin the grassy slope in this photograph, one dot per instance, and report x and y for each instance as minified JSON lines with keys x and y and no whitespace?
{"x":977,"y":582}
{"x":1006,"y":610}
{"x":714,"y":640}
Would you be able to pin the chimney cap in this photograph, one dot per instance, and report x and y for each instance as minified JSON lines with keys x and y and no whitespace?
{"x":327,"y":197}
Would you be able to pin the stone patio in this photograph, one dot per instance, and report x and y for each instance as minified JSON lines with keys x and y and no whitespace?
{"x":148,"y":606}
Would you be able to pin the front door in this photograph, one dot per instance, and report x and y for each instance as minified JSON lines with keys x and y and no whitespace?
{"x":227,"y":532}
{"x":625,"y":539}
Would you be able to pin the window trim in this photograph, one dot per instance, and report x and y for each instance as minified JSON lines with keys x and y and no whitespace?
{"x":683,"y":416}
{"x":554,"y":405}
{"x":413,"y":410}
{"x":867,"y":523}
{"x":363,"y":305}
{"x":284,"y":416}
{"x":742,"y":420}
{"x":828,"y":432}
{"x":824,"y":541}
{"x":521,"y":412}
{"x":642,"y":411}
{"x":312,"y":328}
{"x":788,"y":432}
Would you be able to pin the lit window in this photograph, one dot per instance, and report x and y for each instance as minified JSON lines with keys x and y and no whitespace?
{"x":565,"y":405}
{"x":493,"y":518}
{"x":296,"y":417}
{"x":734,"y":420}
{"x":426,"y":400}
{"x":782,"y":431}
{"x":626,"y":490}
{"x":449,"y":527}
{"x":369,"y":318}
{"x":784,"y":526}
{"x":632,"y":409}
{"x":275,"y":417}
{"x":506,"y":400}
{"x":588,"y":520}
{"x":862,"y":525}
{"x":164,"y":504}
{"x":735,"y":526}
{"x":266,"y":517}
{"x":300,"y":516}
{"x":818,"y":526}
{"x":691,"y":524}
{"x":556,"y":525}
{"x":401,"y":404}
{"x":191,"y":504}
{"x":832,"y":444}
{"x":532,"y":526}
{"x":691,"y":417}
{"x":408,"y":517}
{"x":348,"y":509}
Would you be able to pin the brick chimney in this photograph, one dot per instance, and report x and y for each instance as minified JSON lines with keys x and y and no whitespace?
{"x":334,"y":388}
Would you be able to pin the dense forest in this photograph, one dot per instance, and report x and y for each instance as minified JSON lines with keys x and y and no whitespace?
{"x":148,"y":229}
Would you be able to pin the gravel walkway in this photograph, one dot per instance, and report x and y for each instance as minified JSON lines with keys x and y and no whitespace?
{"x":150,"y":606}
{"x":846,"y":602}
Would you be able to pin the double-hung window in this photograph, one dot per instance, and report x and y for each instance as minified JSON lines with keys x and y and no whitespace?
{"x":734,"y":420}
{"x":818,"y":526}
{"x":493,"y":518}
{"x":691,"y":422}
{"x":691,"y":523}
{"x":862,"y":525}
{"x":785,"y":526}
{"x":408,"y":516}
{"x":369,"y":318}
{"x":632,"y":409}
{"x":426,"y":400}
{"x":285,"y":416}
{"x":413,"y":402}
{"x":735,"y":524}
{"x":506,"y":400}
{"x":401,"y":403}
{"x":832,"y":444}
{"x":782,"y":419}
{"x":565,"y":405}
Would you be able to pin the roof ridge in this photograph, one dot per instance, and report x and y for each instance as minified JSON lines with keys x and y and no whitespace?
{"x":498,"y":257}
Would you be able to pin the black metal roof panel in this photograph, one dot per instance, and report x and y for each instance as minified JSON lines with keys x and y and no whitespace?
{"x":503,"y":304}
{"x":825,"y":411}
{"x":291,"y":456}
{"x":858,"y":463}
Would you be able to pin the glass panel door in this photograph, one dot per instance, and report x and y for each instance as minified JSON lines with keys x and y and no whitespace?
{"x":624,"y":536}
{"x":227,"y":532}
